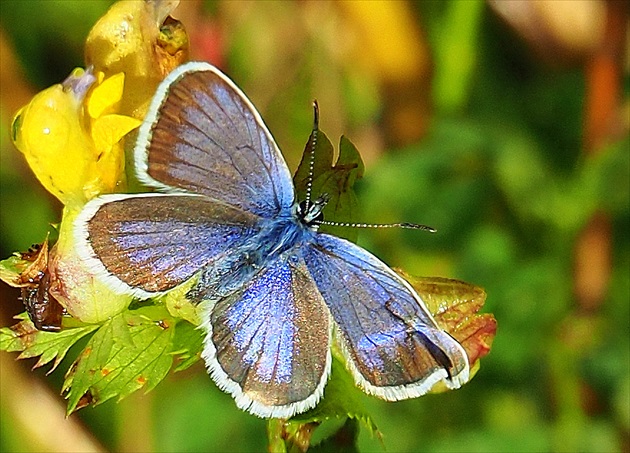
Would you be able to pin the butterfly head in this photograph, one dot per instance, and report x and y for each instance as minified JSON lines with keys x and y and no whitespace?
{"x":310,"y":213}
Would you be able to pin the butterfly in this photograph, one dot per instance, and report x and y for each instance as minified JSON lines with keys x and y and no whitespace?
{"x":278,"y":291}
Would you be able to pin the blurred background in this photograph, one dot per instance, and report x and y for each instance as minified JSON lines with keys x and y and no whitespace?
{"x":503,"y":124}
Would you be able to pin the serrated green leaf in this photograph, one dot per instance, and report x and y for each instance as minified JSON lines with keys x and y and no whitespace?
{"x":187,"y":344}
{"x":336,"y":180}
{"x":25,"y":338}
{"x":119,"y":332}
{"x":110,"y":368}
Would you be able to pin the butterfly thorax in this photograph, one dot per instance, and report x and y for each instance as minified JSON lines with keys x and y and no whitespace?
{"x":276,"y":239}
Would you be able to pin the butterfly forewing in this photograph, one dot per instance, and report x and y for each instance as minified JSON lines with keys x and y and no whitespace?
{"x":150,"y":243}
{"x":394,"y":347}
{"x":203,"y":135}
{"x":269,"y":344}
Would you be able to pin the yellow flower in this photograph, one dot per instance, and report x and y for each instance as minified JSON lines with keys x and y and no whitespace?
{"x":72,"y":140}
{"x":72,"y":135}
{"x":140,"y":39}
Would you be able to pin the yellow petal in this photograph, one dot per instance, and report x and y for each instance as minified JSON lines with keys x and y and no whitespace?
{"x":109,"y":129}
{"x":49,"y":132}
{"x":106,"y":95}
{"x":107,"y":174}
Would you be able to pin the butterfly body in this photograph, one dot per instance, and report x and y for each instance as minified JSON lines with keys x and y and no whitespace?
{"x":278,"y":291}
{"x":278,"y":239}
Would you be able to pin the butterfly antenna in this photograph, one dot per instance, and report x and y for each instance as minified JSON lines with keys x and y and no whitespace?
{"x":405,"y":225}
{"x":311,"y":164}
{"x":309,"y":190}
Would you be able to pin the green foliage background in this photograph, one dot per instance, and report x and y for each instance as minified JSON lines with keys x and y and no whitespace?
{"x":499,"y":170}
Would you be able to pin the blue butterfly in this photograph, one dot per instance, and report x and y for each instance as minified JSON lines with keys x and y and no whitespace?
{"x":278,"y":291}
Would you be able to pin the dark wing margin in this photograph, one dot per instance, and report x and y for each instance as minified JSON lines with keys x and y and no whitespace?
{"x":202,"y":135}
{"x":393,"y":347}
{"x":268,"y":345}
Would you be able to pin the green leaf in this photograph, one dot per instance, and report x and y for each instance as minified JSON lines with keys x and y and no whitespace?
{"x":342,"y":402}
{"x":179,"y":306}
{"x":25,"y":338}
{"x":11,"y":268}
{"x":335,"y":179}
{"x":130,"y":351}
{"x":187,"y":344}
{"x":344,"y":440}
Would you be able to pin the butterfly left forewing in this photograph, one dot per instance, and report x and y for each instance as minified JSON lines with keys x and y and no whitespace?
{"x":393,"y":347}
{"x":145,"y":244}
{"x":202,"y":135}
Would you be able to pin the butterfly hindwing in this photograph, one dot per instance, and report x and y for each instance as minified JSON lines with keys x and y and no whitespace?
{"x":203,"y":135}
{"x":269,"y":343}
{"x":148,"y":243}
{"x":394,"y":348}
